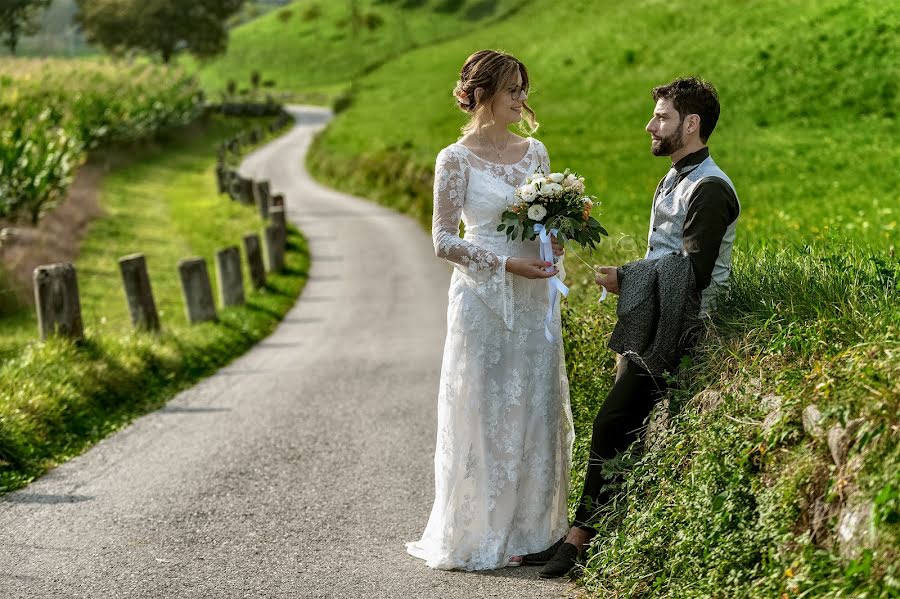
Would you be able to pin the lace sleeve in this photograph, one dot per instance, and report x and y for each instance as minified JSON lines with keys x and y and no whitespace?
{"x":450,"y":176}
{"x":543,"y":158}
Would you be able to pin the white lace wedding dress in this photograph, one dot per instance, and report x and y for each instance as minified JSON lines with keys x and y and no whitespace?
{"x":504,"y":441}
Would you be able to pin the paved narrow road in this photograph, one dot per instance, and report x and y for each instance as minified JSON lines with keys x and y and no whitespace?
{"x":300,"y":469}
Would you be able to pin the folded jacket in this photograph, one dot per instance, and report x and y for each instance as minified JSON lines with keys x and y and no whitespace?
{"x":658,"y":310}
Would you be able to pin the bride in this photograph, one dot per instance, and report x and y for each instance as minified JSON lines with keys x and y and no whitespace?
{"x":505,"y":432}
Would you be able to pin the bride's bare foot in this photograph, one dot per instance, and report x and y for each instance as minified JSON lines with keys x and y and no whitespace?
{"x":514,"y":561}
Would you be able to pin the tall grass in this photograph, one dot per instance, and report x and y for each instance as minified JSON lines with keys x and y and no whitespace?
{"x":732,"y":497}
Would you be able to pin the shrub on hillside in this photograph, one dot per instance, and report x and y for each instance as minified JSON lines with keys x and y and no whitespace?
{"x":311,"y":12}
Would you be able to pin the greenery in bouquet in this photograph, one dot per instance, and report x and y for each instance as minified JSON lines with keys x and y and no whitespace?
{"x":555,"y":201}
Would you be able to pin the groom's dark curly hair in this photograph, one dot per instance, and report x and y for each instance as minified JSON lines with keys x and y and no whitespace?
{"x":692,"y":95}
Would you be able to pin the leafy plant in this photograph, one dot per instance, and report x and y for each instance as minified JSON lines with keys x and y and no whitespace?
{"x":55,"y":111}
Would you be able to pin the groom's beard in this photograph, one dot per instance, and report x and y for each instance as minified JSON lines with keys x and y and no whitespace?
{"x":666,"y":146}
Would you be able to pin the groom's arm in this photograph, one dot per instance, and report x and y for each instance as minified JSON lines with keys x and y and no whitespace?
{"x":711,"y":209}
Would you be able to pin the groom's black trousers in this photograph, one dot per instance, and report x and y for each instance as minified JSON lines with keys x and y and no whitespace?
{"x":618,"y":424}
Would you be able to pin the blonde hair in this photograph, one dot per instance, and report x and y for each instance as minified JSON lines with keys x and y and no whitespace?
{"x":492,"y":71}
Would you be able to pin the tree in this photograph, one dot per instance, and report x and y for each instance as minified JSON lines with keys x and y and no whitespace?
{"x":19,"y":18}
{"x":158,"y":26}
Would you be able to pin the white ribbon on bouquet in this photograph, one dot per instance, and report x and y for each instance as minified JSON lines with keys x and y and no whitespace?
{"x":554,"y":285}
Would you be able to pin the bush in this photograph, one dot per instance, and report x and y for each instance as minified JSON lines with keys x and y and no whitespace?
{"x":372,"y":21}
{"x":311,"y":13}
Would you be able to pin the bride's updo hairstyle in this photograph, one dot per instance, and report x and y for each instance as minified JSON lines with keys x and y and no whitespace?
{"x":494,"y":72}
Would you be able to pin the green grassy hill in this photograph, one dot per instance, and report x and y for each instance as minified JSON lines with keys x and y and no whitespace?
{"x":738,"y":498}
{"x":807,"y":91}
{"x":315,"y":47}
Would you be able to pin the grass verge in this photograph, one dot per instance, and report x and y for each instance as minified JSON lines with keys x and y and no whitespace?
{"x":57,"y":398}
{"x":732,"y":495}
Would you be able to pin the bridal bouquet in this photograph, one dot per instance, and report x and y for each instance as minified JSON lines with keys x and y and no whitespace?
{"x":548,"y":205}
{"x":554,"y":203}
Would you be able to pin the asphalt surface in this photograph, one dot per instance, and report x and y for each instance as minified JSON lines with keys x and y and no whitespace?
{"x":300,"y":469}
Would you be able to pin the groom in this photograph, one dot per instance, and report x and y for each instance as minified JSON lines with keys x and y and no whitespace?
{"x":693,"y":219}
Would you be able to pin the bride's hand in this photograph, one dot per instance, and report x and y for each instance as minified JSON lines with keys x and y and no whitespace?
{"x":530,"y":268}
{"x":558,"y":249}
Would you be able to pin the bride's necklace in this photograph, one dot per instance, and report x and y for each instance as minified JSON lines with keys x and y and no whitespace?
{"x":486,"y":142}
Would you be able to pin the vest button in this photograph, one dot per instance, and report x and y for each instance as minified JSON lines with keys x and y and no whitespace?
{"x":654,"y":228}
{"x":651,"y":248}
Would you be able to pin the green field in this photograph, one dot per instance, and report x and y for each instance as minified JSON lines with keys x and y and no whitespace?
{"x":312,"y":48}
{"x":722,"y":506}
{"x":784,"y":137}
{"x":57,"y":398}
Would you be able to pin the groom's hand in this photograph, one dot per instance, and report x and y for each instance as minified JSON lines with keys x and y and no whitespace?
{"x":608,"y":276}
{"x":558,"y":249}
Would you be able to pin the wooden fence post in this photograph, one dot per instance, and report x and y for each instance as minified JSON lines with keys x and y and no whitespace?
{"x":261,"y":194}
{"x":222,"y":177}
{"x":57,"y":301}
{"x":254,"y":260}
{"x":276,"y":214}
{"x":241,"y":189}
{"x":232,"y":184}
{"x":274,"y":248}
{"x":196,"y":290}
{"x":138,"y":292}
{"x":229,"y":276}
{"x":278,"y":200}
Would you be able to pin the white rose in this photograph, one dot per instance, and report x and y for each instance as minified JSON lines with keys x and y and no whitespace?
{"x":537,"y":212}
{"x":570,"y":180}
{"x":548,"y":189}
{"x":557,"y":177}
{"x":578,"y":186}
{"x":528,"y":192}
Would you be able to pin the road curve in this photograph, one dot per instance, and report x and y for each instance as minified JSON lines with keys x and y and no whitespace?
{"x":301,"y":468}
